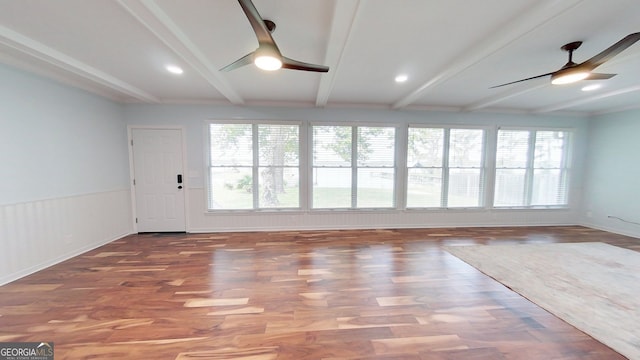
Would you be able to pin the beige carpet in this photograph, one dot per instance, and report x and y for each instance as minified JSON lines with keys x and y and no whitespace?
{"x":592,"y":286}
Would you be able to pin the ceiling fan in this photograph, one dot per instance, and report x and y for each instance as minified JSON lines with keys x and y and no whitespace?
{"x":572,"y":72}
{"x":267,"y":56}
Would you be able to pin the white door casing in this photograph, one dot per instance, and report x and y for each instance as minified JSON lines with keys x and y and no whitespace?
{"x":158,"y":167}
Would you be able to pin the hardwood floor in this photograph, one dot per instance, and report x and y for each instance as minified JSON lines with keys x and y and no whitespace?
{"x":366,"y":294}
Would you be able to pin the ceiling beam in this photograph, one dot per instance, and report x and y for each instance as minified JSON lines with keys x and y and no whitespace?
{"x":529,"y":20}
{"x":149,"y":14}
{"x":569,"y":104}
{"x":504,"y":95}
{"x":345,"y":18}
{"x":65,"y":62}
{"x":616,"y":110}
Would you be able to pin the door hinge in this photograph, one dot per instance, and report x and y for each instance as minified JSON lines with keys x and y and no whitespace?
{"x":136,"y":220}
{"x":134,"y":182}
{"x":131,"y":142}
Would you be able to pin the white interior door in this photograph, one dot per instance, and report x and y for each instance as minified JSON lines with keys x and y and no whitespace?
{"x":158,"y":179}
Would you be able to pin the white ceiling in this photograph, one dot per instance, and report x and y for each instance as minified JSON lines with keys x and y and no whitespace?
{"x":452,"y":51}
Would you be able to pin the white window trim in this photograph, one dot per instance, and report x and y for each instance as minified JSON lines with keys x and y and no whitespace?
{"x":354,"y":125}
{"x":444,"y":192}
{"x":488,"y":166}
{"x":568,"y":158}
{"x":254,"y":123}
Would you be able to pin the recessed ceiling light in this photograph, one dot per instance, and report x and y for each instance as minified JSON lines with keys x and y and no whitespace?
{"x":401,"y":78}
{"x":174,"y":69}
{"x":591,"y":87}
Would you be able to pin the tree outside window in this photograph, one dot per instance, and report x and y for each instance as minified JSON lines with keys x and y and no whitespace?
{"x":254,"y":166}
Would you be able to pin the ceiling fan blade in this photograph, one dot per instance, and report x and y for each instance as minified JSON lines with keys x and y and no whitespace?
{"x":517,"y":81}
{"x":245,"y":60}
{"x":288,"y":63}
{"x":257,"y":23}
{"x":599,"y":76}
{"x":612,"y":51}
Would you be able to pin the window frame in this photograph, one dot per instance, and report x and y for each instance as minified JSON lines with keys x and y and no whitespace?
{"x":565,"y":171}
{"x":256,"y":166}
{"x":446,"y":168}
{"x":354,"y":165}
{"x":488,"y":167}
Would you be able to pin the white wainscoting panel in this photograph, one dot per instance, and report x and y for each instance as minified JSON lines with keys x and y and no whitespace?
{"x":200,"y":221}
{"x":35,"y":235}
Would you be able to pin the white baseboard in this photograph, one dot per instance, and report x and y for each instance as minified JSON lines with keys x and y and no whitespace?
{"x":611,"y":229}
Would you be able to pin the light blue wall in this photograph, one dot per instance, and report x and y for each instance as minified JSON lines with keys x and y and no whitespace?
{"x":64,"y":173}
{"x":57,"y":141}
{"x":612,"y":180}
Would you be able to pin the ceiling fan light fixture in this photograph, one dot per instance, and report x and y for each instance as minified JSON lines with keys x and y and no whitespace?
{"x":568,"y":77}
{"x":267,"y":62}
{"x":267,"y":57}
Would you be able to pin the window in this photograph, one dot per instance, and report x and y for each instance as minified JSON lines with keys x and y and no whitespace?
{"x":256,"y":165}
{"x":353,"y":167}
{"x":253,"y":166}
{"x":445,"y":167}
{"x":531,"y":168}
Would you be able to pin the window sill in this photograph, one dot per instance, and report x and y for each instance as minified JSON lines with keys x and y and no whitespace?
{"x":241,"y":212}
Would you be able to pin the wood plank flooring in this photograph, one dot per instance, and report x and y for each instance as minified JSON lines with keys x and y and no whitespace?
{"x":365,"y":294}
